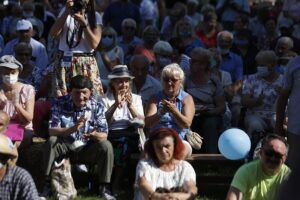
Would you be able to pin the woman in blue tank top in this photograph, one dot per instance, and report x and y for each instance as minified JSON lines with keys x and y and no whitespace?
{"x":172,"y":107}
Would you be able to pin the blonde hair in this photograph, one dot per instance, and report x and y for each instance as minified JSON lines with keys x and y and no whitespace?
{"x":172,"y":70}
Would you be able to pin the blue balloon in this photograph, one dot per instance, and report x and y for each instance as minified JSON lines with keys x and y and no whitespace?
{"x":234,"y":144}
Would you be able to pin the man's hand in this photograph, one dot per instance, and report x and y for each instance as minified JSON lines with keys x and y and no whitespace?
{"x":94,"y":135}
{"x":80,"y":123}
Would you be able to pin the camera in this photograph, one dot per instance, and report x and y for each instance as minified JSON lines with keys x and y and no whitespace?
{"x":78,"y":5}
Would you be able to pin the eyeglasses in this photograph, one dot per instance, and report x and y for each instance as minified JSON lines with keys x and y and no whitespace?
{"x":168,"y":79}
{"x":271,"y":153}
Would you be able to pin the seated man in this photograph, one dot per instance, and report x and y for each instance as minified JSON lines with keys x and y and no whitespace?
{"x":261,"y":178}
{"x":78,"y":129}
{"x":15,"y":182}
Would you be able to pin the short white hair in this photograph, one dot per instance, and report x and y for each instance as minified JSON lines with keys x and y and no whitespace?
{"x":172,"y":70}
{"x":224,"y":33}
{"x":285,"y":40}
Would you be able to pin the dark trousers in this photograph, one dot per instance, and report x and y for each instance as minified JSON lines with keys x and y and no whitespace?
{"x":98,"y":153}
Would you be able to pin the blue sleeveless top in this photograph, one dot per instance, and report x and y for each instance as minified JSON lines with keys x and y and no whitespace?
{"x":167,"y":120}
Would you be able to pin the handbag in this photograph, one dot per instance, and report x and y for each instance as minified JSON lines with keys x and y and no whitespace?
{"x":15,"y":131}
{"x":194,"y":139}
{"x":62,"y":182}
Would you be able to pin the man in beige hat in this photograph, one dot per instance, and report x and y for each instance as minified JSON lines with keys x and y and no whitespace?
{"x":15,"y":182}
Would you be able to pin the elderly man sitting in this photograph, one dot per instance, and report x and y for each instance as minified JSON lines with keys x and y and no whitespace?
{"x":78,"y":129}
{"x":261,"y":178}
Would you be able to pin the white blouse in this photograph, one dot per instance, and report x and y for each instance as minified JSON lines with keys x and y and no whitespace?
{"x":122,"y":116}
{"x":183,"y":173}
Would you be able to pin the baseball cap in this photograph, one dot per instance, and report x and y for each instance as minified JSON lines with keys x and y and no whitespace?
{"x":23,"y":24}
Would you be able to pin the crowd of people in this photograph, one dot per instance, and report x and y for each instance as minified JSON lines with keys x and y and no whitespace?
{"x":100,"y":80}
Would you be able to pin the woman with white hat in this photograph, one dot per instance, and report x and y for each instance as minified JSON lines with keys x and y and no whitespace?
{"x":124,"y":116}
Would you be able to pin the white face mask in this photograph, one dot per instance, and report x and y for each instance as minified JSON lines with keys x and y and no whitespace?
{"x":10,"y":79}
{"x":223,"y":51}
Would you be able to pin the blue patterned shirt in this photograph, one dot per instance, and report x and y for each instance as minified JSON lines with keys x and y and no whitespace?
{"x":65,"y":114}
{"x":17,"y":184}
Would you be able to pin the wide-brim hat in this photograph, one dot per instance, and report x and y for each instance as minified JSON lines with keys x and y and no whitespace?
{"x":7,"y":147}
{"x":120,"y":71}
{"x":11,"y":62}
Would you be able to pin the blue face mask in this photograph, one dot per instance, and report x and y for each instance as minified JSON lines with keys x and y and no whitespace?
{"x":107,"y":41}
{"x":185,"y":34}
{"x":163,"y":61}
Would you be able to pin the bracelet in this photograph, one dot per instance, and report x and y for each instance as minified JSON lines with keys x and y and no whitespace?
{"x":150,"y":195}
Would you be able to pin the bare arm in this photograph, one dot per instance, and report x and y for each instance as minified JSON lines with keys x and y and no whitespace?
{"x":234,"y":194}
{"x":152,"y":117}
{"x":185,"y":119}
{"x":93,"y":36}
{"x":57,"y":27}
{"x":27,"y":112}
{"x":280,"y":111}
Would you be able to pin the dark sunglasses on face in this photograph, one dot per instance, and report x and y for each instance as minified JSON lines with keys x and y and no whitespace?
{"x":271,"y":153}
{"x":168,"y":79}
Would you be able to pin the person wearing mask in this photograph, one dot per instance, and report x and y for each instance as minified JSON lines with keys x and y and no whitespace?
{"x":24,"y":30}
{"x":163,"y":57}
{"x":128,"y":40}
{"x":261,"y":178}
{"x":16,"y":99}
{"x":108,"y":54}
{"x":15,"y":182}
{"x":78,"y":29}
{"x":184,"y":30}
{"x":259,"y":96}
{"x":233,"y":64}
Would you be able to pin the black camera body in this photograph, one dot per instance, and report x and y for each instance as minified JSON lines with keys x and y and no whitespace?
{"x":78,"y":5}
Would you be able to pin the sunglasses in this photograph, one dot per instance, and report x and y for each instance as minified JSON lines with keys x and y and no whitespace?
{"x":23,"y":31}
{"x":271,"y":153}
{"x":168,"y":79}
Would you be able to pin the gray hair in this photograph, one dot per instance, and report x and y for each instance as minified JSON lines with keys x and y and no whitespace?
{"x":286,"y":40}
{"x":268,"y":56}
{"x":129,"y":21}
{"x":202,"y":54}
{"x":224,"y":34}
{"x":163,"y":47}
{"x":172,"y":70}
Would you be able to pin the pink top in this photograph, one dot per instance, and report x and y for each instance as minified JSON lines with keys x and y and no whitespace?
{"x":27,"y":91}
